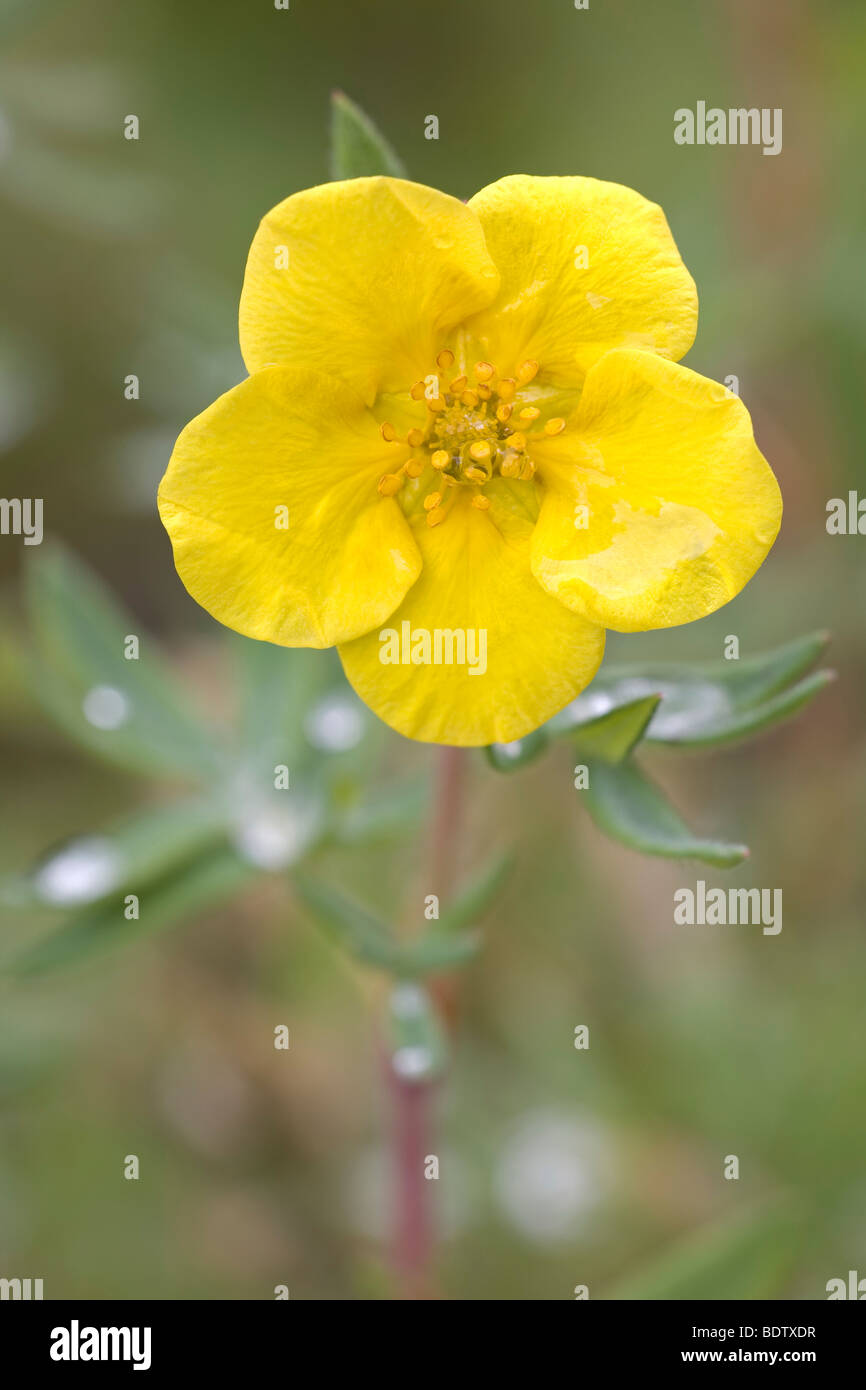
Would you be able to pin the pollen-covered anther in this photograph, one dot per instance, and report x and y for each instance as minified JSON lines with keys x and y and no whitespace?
{"x":527,"y":371}
{"x":440,"y":459}
{"x":554,"y":426}
{"x":389,"y":483}
{"x":511,"y":464}
{"x":481,"y":502}
{"x":528,"y":415}
{"x":433,"y":499}
{"x":479,"y":451}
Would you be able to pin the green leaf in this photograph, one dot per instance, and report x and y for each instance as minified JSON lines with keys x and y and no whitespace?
{"x":352,"y":926}
{"x":121,"y":859}
{"x":471,"y":901}
{"x":629,"y":808}
{"x":213,"y":879}
{"x":357,"y":148}
{"x":611,"y":736}
{"x":437,"y":952}
{"x":508,"y":757}
{"x":80,"y":634}
{"x":748,"y":1258}
{"x":386,"y":813}
{"x":277,"y":687}
{"x":708,"y":703}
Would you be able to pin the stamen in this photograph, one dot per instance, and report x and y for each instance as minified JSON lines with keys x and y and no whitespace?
{"x":389,"y":483}
{"x":527,"y":371}
{"x":470,"y":438}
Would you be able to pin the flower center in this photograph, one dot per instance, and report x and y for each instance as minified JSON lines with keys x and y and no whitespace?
{"x":475,"y":430}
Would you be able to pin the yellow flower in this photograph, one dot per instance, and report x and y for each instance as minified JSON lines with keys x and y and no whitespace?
{"x":465,"y":448}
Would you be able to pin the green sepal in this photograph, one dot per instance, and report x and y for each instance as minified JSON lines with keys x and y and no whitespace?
{"x":358,"y":150}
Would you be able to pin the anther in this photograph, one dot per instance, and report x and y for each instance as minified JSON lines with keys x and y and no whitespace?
{"x":503,"y":413}
{"x":435,"y":516}
{"x":480,"y":450}
{"x":441,"y":459}
{"x":517,"y":441}
{"x":418,"y":390}
{"x":415,"y":438}
{"x":458,"y":385}
{"x":388,"y":432}
{"x":388,"y":484}
{"x":469,"y":398}
{"x":481,"y":502}
{"x":433,"y":499}
{"x":506,"y":387}
{"x":445,"y":359}
{"x":555,"y":426}
{"x":510,"y":465}
{"x":529,"y":414}
{"x":484,"y":392}
{"x":415,"y":467}
{"x":526,"y":371}
{"x":484,"y":371}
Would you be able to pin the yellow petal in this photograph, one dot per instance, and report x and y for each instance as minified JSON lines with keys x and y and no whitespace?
{"x":293,"y":447}
{"x":680,"y":506}
{"x":363,"y":280}
{"x":586,"y":266}
{"x":524,"y":655}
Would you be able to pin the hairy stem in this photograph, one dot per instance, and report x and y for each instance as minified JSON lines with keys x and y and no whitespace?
{"x":412,"y":1100}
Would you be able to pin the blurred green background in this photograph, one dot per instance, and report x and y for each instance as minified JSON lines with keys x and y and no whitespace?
{"x":558,"y":1167}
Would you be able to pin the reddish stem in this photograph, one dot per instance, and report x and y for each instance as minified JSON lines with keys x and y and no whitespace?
{"x":412,"y":1101}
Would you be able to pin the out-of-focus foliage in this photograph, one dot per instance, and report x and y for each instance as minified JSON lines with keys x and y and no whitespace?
{"x":602,"y":1166}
